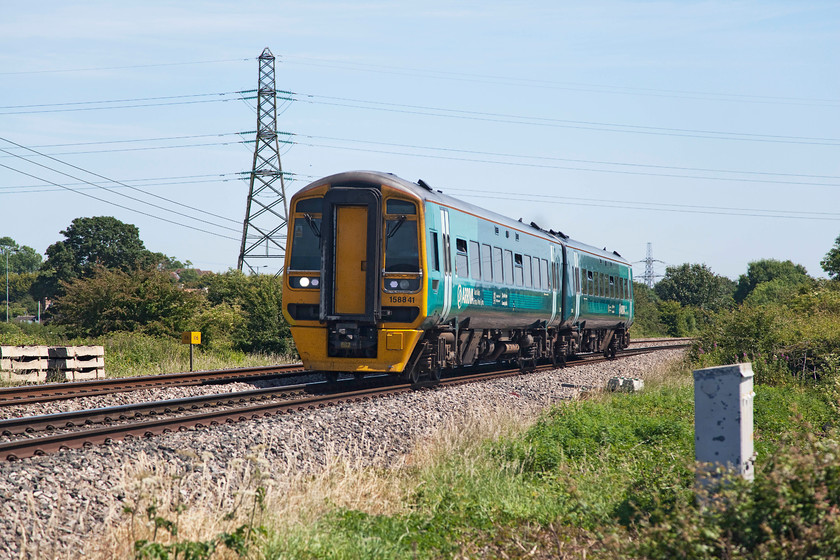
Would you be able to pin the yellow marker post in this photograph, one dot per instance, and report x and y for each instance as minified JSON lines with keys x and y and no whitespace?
{"x":192,"y":338}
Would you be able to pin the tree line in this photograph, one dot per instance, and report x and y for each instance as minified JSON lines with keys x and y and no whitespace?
{"x":100,"y":278}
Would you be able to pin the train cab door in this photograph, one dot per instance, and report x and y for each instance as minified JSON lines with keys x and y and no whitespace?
{"x":351,"y":255}
{"x":447,"y":265}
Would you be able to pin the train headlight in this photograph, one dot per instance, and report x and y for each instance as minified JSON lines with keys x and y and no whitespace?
{"x":308,"y":282}
{"x":404,"y":284}
{"x":393,"y":284}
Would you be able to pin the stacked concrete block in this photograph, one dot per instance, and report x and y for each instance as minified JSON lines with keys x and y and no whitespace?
{"x":78,"y":362}
{"x":24,"y":363}
{"x":36,"y":364}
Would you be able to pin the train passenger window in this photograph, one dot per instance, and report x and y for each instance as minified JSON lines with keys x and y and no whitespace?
{"x":526,"y":269}
{"x":306,"y":246}
{"x":508,"y":266}
{"x":395,"y":206}
{"x":517,"y":269}
{"x":461,"y":258}
{"x":546,"y":278}
{"x":435,"y":249}
{"x":627,"y":288}
{"x":475,"y":261}
{"x":537,"y":275}
{"x":486,"y":266}
{"x":401,"y":251}
{"x":612,"y":287}
{"x":498,"y":269}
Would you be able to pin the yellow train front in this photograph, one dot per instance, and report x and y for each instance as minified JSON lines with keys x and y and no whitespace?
{"x":354,"y":273}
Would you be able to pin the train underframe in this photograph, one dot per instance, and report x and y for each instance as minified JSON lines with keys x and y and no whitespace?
{"x":460,"y":346}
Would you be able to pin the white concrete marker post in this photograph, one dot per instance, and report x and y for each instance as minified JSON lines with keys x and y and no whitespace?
{"x":723,"y":420}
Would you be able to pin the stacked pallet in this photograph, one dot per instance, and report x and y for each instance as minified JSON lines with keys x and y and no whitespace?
{"x":37,"y":364}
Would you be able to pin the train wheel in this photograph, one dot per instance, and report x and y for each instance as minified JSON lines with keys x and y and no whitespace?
{"x":434,"y":374}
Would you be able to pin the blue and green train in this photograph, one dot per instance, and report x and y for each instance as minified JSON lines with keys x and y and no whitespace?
{"x":386,"y":275}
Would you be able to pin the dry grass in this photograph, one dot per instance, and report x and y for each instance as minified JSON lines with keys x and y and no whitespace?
{"x":213,"y":503}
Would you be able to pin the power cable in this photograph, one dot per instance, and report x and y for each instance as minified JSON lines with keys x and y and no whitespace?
{"x":562,"y":123}
{"x":156,"y":65}
{"x":117,"y":204}
{"x":119,"y":183}
{"x":564,"y":167}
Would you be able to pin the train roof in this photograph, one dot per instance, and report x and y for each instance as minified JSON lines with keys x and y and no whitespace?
{"x":426,"y":193}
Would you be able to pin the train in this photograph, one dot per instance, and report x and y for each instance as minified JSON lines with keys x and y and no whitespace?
{"x":383,"y":275}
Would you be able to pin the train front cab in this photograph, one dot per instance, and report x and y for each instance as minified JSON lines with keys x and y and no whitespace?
{"x":354,"y":276}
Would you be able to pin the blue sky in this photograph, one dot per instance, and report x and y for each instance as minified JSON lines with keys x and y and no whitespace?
{"x":709,"y":129}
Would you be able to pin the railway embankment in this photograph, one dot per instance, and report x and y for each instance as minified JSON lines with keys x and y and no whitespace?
{"x":52,"y":505}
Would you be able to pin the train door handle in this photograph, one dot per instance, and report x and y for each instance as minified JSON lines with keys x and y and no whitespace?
{"x":364,"y":266}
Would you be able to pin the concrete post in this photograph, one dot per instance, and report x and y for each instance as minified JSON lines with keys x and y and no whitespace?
{"x":723,"y":419}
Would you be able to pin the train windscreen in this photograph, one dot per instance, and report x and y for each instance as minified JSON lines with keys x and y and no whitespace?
{"x":401,"y":252}
{"x":306,"y":251}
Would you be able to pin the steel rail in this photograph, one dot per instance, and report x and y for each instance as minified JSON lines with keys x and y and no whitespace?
{"x":30,"y":447}
{"x":28,"y":394}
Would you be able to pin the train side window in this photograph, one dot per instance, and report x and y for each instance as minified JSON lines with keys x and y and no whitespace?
{"x":526,"y":269}
{"x":498,"y":268}
{"x":627,"y":288}
{"x":508,"y":266}
{"x":486,"y":266}
{"x":435,"y":249}
{"x":589,"y":282}
{"x":612,"y":286}
{"x":475,"y":261}
{"x":461,"y":258}
{"x":546,"y":277}
{"x":517,"y":269}
{"x":537,"y":276}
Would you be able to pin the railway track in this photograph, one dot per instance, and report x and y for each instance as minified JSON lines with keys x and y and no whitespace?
{"x":121,"y":422}
{"x":28,"y":394}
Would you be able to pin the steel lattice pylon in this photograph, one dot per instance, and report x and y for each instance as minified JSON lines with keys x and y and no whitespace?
{"x":266,"y":213}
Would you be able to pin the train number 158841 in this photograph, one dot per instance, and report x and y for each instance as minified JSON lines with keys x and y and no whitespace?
{"x":401,"y":299}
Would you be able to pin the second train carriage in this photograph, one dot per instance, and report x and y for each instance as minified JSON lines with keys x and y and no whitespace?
{"x":385,"y":275}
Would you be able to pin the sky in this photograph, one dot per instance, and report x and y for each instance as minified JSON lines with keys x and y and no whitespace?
{"x":709,"y":129}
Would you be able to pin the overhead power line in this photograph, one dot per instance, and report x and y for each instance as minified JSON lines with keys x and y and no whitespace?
{"x":115,"y":191}
{"x":558,"y":85}
{"x":508,"y":118}
{"x":97,"y":68}
{"x":547,"y":165}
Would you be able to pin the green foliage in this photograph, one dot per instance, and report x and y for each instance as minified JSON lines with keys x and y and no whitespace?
{"x":783,"y":273}
{"x":695,"y":285}
{"x":239,"y":541}
{"x":791,"y":510}
{"x":676,"y":319}
{"x":646,"y":321}
{"x":258,"y":299}
{"x":22,"y":260}
{"x":109,"y":300}
{"x":795,"y":339}
{"x":831,"y":263}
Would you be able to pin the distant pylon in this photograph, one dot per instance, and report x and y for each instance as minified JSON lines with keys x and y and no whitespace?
{"x":649,"y":266}
{"x":266,"y":213}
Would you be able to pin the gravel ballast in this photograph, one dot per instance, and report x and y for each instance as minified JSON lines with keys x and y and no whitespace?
{"x":50,"y":506}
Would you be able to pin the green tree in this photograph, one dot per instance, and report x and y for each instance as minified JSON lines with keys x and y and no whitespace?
{"x":831,"y":263}
{"x":783,"y":273}
{"x":92,"y":243}
{"x":108,"y":300}
{"x":259,"y":299}
{"x":646,"y":321}
{"x":21,"y":259}
{"x":695,"y":285}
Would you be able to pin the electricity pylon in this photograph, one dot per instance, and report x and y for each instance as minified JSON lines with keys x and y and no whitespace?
{"x":266,"y":214}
